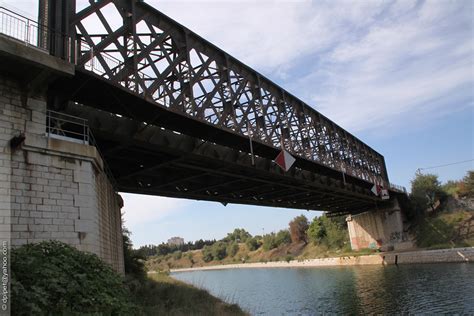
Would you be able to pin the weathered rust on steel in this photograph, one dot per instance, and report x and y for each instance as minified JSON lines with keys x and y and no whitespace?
{"x":165,"y":63}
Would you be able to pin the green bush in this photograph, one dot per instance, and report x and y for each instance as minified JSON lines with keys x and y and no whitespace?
{"x":56,"y":279}
{"x":253,"y":244}
{"x":271,"y":241}
{"x":282,"y":237}
{"x":232,"y":249}
{"x":219,"y":250}
{"x":207,"y":254}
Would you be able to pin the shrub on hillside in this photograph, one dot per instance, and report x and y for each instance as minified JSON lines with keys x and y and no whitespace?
{"x":56,"y":279}
{"x":271,"y":241}
{"x":219,"y":250}
{"x":177,"y":255}
{"x":298,"y":228}
{"x":253,"y":244}
{"x":232,"y":249}
{"x":451,"y":187}
{"x":207,"y":253}
{"x":282,"y":237}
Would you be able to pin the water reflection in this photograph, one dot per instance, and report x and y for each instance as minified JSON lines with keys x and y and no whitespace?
{"x":429,"y":288}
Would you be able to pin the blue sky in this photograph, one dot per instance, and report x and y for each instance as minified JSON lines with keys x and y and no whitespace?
{"x":397,"y":74}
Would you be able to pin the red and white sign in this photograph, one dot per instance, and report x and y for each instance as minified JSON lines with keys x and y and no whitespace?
{"x":376,"y":189}
{"x":285,"y":160}
{"x":380,"y":191}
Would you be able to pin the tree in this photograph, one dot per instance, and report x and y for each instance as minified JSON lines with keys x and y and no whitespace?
{"x":467,"y":185}
{"x":425,"y":184}
{"x":239,"y":235}
{"x":282,"y":237}
{"x":317,"y":230}
{"x":133,"y":260}
{"x":330,"y":231}
{"x":298,"y":228}
{"x":425,"y":190}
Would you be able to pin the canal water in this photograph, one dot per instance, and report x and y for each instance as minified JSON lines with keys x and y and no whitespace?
{"x":414,"y":289}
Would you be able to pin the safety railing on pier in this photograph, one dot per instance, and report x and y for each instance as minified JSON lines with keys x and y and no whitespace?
{"x":67,"y":127}
{"x":74,"y":129}
{"x":32,"y":33}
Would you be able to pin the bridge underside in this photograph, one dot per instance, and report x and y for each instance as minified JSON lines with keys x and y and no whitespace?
{"x":151,"y":160}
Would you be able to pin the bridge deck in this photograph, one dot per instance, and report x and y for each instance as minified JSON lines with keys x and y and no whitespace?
{"x":152,"y":160}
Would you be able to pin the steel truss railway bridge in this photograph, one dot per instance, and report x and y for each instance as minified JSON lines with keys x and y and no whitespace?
{"x":173,"y":115}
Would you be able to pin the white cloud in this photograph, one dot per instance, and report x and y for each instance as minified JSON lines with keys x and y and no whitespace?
{"x":367,"y":65}
{"x":143,"y":209}
{"x":364,"y":64}
{"x":411,"y":65}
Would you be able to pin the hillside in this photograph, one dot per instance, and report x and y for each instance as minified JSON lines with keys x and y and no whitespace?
{"x":440,"y":216}
{"x":194,"y":258}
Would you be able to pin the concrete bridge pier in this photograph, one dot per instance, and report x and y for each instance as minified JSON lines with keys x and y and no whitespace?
{"x":379,"y":229}
{"x":52,"y":187}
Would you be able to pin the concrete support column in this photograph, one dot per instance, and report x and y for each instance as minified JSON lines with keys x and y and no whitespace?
{"x":53,"y":188}
{"x":378,"y":229}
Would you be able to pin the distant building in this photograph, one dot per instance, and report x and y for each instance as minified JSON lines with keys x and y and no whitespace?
{"x":176,"y":241}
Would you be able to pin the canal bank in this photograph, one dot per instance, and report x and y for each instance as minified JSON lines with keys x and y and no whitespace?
{"x":451,"y":255}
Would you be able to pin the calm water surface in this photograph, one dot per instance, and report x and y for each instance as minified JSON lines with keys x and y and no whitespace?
{"x":427,"y":288}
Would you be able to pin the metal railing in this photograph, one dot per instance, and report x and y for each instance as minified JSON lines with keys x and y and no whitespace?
{"x":68,"y":127}
{"x":74,"y":129}
{"x":31,"y":33}
{"x":396,"y":187}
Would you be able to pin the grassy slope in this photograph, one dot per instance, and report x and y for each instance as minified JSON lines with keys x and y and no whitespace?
{"x":163,"y":295}
{"x":282,"y":253}
{"x":441,"y":231}
{"x":446,"y":230}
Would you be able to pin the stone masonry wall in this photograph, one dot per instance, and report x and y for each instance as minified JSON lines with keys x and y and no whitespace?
{"x":50,"y":188}
{"x":111,"y":240}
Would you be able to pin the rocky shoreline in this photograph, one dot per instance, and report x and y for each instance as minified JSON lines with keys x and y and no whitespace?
{"x":384,"y":258}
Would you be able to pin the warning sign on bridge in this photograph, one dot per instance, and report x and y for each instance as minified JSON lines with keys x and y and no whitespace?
{"x":285,"y":160}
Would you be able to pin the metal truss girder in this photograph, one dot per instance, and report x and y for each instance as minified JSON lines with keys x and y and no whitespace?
{"x":197,"y":80}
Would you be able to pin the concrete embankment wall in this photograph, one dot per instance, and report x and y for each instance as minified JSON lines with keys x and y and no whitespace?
{"x":421,"y":256}
{"x":431,"y":256}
